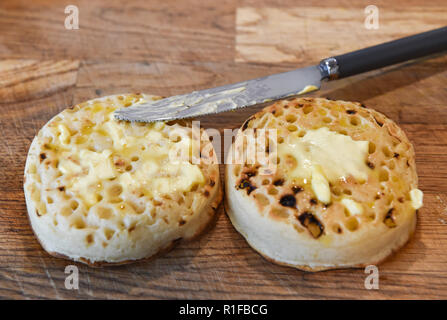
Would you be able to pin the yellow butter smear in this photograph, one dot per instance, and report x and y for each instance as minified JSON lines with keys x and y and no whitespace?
{"x":157,"y":171}
{"x":307,"y":89}
{"x":323,"y":156}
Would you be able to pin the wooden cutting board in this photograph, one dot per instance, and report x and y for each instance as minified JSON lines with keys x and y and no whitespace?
{"x":173,"y":47}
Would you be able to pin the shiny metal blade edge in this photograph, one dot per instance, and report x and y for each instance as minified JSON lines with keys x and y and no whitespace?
{"x":226,"y":98}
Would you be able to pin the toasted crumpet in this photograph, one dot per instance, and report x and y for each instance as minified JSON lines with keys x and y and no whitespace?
{"x":343,"y":193}
{"x":102,"y":191}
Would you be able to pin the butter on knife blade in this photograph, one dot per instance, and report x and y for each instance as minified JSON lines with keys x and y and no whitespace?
{"x":226,"y":98}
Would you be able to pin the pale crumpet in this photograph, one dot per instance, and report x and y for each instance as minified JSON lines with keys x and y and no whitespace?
{"x":102,"y":191}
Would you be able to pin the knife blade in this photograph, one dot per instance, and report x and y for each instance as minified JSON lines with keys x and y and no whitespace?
{"x":226,"y":98}
{"x":287,"y":84}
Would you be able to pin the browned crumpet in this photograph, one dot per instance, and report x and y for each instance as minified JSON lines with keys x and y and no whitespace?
{"x":102,"y":191}
{"x":343,"y":192}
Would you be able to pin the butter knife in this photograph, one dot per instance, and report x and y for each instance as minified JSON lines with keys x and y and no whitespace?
{"x":287,"y":84}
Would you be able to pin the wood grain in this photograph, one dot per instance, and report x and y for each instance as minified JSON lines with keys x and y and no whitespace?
{"x":172,"y":47}
{"x":304,"y":34}
{"x":23,"y":80}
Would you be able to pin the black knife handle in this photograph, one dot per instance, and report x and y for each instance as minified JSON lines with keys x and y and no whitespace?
{"x":385,"y":54}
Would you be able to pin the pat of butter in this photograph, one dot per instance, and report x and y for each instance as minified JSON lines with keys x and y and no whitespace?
{"x":64,"y":134}
{"x":190,"y":174}
{"x":116,"y":132}
{"x":338,"y":155}
{"x":320,"y":185}
{"x":352,"y":206}
{"x":416,"y":197}
{"x":100,"y":163}
{"x":324,"y":156}
{"x":308,"y":88}
{"x":68,"y":167}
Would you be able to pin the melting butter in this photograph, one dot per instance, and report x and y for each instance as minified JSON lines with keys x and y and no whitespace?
{"x":320,"y":185}
{"x":324,"y":156}
{"x":417,"y":198}
{"x":64,"y":134}
{"x":68,"y":167}
{"x":352,"y":206}
{"x":219,"y":99}
{"x":163,"y":165}
{"x":307,"y":89}
{"x":99,"y":166}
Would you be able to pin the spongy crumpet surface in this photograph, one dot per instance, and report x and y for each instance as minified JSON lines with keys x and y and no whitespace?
{"x":343,"y":192}
{"x":104,"y":191}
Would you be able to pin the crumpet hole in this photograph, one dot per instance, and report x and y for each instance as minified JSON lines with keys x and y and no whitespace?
{"x":115,"y":190}
{"x":139,"y":209}
{"x":327,"y":120}
{"x":66,"y":211}
{"x":278,"y":113}
{"x":336,"y":191}
{"x":175,"y":138}
{"x":78,"y":223}
{"x":352,"y":224}
{"x":337,"y":228}
{"x":386,"y":152}
{"x":237,"y":170}
{"x":371,"y":147}
{"x":355,"y":121}
{"x":74,"y":205}
{"x":371,"y":216}
{"x":263,"y":200}
{"x":383,"y":175}
{"x":291,"y":118}
{"x":104,"y":213}
{"x":89,"y":239}
{"x":108,"y":233}
{"x":308,"y":109}
{"x":391,"y":165}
